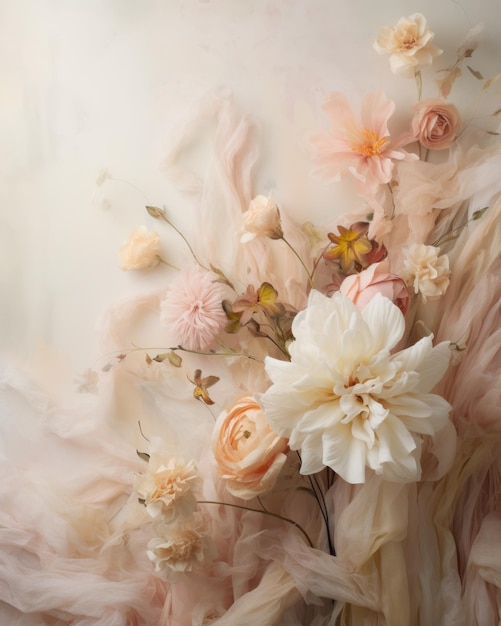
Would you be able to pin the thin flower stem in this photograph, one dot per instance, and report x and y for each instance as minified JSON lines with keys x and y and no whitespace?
{"x":392,"y":201}
{"x":310,"y":279}
{"x":263,"y":512}
{"x":181,"y":349}
{"x":166,"y":219}
{"x":321,"y":505}
{"x":474,"y":218}
{"x":160,"y":260}
{"x":318,"y":259}
{"x":419,"y":83}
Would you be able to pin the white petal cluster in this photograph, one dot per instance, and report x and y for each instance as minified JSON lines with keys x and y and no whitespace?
{"x":346,"y":401}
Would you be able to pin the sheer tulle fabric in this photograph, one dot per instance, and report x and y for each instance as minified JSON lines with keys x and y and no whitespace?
{"x":73,"y":536}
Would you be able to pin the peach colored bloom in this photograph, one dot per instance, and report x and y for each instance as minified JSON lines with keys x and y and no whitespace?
{"x":408,"y":44}
{"x":436,"y":123}
{"x":362,"y":287}
{"x":359,"y":148}
{"x":141,"y":250}
{"x":192,"y":309}
{"x":168,"y":487}
{"x":182,"y":547}
{"x":427,"y":272}
{"x":249,"y":455}
{"x":262,"y":219}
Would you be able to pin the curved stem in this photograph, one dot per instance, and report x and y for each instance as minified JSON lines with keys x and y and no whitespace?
{"x":392,"y":201}
{"x":166,"y":219}
{"x":263,"y":512}
{"x":160,"y":260}
{"x":310,"y":279}
{"x":181,"y":349}
{"x":419,"y":83}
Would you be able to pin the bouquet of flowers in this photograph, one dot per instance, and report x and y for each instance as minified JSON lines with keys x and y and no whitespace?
{"x":317,"y":426}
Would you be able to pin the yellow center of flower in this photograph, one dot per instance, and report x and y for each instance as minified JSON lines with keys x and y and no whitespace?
{"x":372,"y":145}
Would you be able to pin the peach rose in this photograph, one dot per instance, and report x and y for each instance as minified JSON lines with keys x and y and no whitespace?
{"x":262,"y":219}
{"x":362,"y":287}
{"x":141,"y":250}
{"x":436,"y":123}
{"x":249,"y":455}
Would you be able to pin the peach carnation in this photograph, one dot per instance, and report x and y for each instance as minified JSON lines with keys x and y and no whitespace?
{"x":427,"y":272}
{"x":141,"y":250}
{"x":409,"y":45}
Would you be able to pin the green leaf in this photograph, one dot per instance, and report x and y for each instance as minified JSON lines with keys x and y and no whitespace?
{"x":478,"y":214}
{"x":155,"y":212}
{"x":174,"y":359}
{"x":144,"y":456}
{"x":475,"y":73}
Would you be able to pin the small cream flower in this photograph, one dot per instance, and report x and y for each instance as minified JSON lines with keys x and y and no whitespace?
{"x":182,"y":547}
{"x":426,"y":272}
{"x":346,"y":400}
{"x":262,"y":219}
{"x":168,"y":487}
{"x":408,"y":44}
{"x":141,"y":250}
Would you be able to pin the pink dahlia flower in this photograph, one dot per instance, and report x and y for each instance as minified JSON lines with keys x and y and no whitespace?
{"x":192,"y":309}
{"x":362,"y":147}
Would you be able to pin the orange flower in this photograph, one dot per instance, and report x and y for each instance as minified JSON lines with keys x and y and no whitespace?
{"x":350,"y":246}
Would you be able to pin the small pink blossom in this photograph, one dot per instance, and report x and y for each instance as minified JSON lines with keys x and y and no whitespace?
{"x":362,"y":147}
{"x":362,"y":287}
{"x":192,"y":309}
{"x":436,"y":123}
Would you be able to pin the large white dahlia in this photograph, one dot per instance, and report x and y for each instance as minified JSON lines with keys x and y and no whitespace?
{"x":345,"y":401}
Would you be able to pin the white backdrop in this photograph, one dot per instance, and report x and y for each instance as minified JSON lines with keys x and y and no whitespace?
{"x":89,"y":85}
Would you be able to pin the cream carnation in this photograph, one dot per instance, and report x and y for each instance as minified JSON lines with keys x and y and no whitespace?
{"x":192,"y":309}
{"x":249,"y":455}
{"x":408,"y":44}
{"x":426,"y":272}
{"x":262,"y":219}
{"x":168,"y":487}
{"x":141,"y":250}
{"x":346,"y":401}
{"x":182,"y":547}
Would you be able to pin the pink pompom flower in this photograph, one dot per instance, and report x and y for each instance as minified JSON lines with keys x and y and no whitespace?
{"x":192,"y":309}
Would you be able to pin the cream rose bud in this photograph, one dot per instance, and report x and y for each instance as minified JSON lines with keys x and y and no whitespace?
{"x":436,"y":123}
{"x":426,"y":271}
{"x":408,"y":44}
{"x":262,"y":219}
{"x":141,"y":250}
{"x":248,"y":453}
{"x":362,"y":287}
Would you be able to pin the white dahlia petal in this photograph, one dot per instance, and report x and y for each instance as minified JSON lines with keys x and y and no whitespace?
{"x":345,"y":401}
